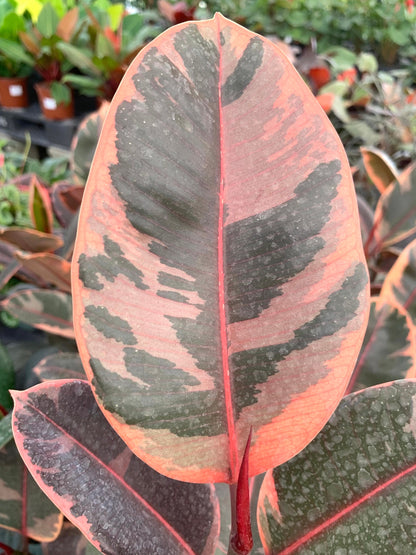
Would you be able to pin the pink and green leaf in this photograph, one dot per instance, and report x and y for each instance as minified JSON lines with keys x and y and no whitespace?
{"x":40,"y":206}
{"x":30,"y":239}
{"x":388,"y":351}
{"x":395,"y":215}
{"x":219,"y":280}
{"x":399,"y":287}
{"x":60,"y":366}
{"x":118,"y":502}
{"x":85,"y":143}
{"x":49,"y":267}
{"x":50,"y":311}
{"x":352,"y":489}
{"x":23,"y":506}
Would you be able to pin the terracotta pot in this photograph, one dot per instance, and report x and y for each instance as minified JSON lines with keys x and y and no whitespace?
{"x":50,"y":108}
{"x":13,"y":92}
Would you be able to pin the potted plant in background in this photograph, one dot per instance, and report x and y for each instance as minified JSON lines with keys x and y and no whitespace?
{"x":15,"y":63}
{"x":47,"y":41}
{"x":113,"y":37}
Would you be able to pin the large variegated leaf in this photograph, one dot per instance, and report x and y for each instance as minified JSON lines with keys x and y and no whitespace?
{"x":23,"y":506}
{"x":121,"y":505}
{"x":352,"y":490}
{"x":388,"y":351}
{"x":219,"y":276}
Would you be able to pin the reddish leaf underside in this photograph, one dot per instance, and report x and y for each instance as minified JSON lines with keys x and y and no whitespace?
{"x":66,"y":200}
{"x":30,"y":239}
{"x":50,"y":268}
{"x":121,"y":505}
{"x":219,"y":282}
{"x":352,"y":490}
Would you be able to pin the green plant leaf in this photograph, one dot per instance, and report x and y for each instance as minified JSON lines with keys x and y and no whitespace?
{"x":352,"y":489}
{"x":389,"y":347}
{"x":104,"y":47}
{"x":50,"y":311}
{"x":15,"y":52}
{"x":6,"y":432}
{"x":115,"y":13}
{"x":7,"y":377}
{"x":219,"y":281}
{"x":119,"y":503}
{"x":79,"y":58}
{"x":61,"y":92}
{"x":24,"y":507}
{"x":47,"y":21}
{"x":40,"y":206}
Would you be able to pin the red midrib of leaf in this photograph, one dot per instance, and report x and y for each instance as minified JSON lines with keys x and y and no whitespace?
{"x":338,"y":516}
{"x":232,"y":439}
{"x":149,"y":507}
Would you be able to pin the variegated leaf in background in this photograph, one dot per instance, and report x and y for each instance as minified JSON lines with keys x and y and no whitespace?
{"x":395,"y":214}
{"x":388,"y":351}
{"x":399,"y":287}
{"x":48,"y":310}
{"x":60,"y":366}
{"x":23,"y":506}
{"x":219,"y":282}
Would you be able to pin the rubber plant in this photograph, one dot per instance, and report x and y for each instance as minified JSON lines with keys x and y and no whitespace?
{"x":220,"y":298}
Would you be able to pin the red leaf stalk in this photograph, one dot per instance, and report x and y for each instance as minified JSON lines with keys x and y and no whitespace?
{"x":7,"y":550}
{"x":241,"y":540}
